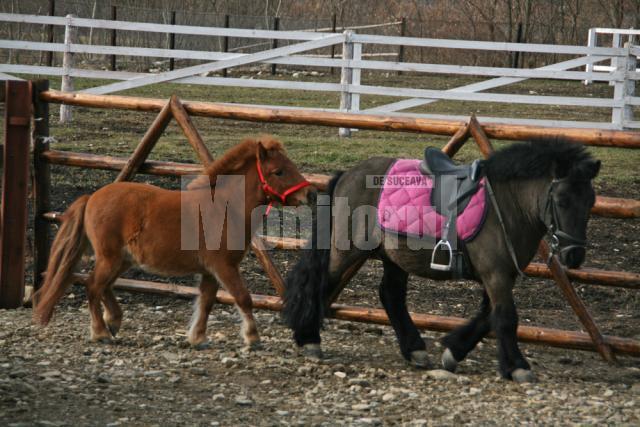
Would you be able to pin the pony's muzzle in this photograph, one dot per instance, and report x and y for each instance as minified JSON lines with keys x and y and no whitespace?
{"x":304,"y":196}
{"x":573,"y":257}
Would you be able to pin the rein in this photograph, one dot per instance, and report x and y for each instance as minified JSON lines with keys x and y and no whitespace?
{"x":553,"y":227}
{"x":512,"y":251}
{"x":271,"y":192}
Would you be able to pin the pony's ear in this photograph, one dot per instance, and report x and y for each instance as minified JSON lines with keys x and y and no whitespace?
{"x":261,"y":151}
{"x":586,"y":170}
{"x":591,"y":168}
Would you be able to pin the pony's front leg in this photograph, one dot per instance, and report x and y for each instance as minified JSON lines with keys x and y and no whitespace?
{"x":459,"y":342}
{"x":230,"y":278}
{"x":504,"y":318}
{"x":197,"y":336}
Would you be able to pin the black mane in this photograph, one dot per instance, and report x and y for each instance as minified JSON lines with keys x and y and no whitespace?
{"x":530,"y":160}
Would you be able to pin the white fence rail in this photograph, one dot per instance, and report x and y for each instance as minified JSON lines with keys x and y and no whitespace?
{"x":622,"y":74}
{"x":617,"y":41}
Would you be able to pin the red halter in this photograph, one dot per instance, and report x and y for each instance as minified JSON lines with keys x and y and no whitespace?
{"x":270,"y":191}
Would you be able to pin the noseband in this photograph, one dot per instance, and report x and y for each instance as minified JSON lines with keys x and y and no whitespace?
{"x":272,"y":192}
{"x":553,"y":227}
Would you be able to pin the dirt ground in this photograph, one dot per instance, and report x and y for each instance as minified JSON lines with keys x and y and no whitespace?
{"x":150,"y":376}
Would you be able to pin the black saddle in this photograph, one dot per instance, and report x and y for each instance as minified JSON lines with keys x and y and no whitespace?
{"x":453,"y":184}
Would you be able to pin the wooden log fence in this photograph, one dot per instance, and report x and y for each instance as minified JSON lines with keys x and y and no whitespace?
{"x":598,"y":137}
{"x":536,"y":335}
{"x":460,"y":131}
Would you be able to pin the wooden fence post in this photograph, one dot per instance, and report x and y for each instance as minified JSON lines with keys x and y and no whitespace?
{"x":146,"y":144}
{"x":52,"y":12}
{"x":346,"y":79}
{"x":67,"y":64}
{"x":114,"y":17}
{"x":225,"y":43}
{"x":15,"y":183}
{"x":41,"y":183}
{"x":516,"y":54}
{"x":274,"y":42}
{"x":624,"y":88}
{"x":172,"y":41}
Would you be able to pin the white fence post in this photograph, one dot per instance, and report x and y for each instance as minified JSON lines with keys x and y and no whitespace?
{"x":357,"y":72}
{"x":624,"y":88}
{"x":67,"y":64}
{"x":592,"y":41}
{"x":615,"y":62}
{"x":346,"y":79}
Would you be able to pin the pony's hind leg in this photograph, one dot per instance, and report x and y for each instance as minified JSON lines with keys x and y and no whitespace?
{"x":104,"y":274}
{"x":197,"y":335}
{"x":459,"y":342}
{"x":393,"y":294}
{"x":229,"y":276}
{"x":112,"y":315}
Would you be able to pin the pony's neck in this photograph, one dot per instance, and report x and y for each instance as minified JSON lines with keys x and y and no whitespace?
{"x":253,"y":193}
{"x":521,"y":204}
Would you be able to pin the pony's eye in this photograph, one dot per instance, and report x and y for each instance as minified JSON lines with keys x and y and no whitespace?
{"x":278,"y":172}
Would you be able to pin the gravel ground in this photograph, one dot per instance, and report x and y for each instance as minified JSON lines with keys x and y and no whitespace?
{"x":150,"y":376}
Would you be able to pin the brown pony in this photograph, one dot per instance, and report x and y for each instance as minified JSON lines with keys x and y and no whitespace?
{"x":205,"y":229}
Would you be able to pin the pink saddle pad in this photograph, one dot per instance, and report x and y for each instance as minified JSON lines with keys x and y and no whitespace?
{"x":405,"y":204}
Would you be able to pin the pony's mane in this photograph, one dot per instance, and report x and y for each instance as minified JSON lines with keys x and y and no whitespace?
{"x":233,"y":159}
{"x":535,"y":159}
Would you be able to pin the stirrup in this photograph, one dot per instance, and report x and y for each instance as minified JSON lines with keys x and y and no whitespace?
{"x":443,"y":245}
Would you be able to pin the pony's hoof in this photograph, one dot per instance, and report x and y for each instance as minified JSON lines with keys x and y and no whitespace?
{"x":114,"y":329}
{"x":449,"y":362}
{"x":312,"y":351}
{"x":203,"y":345}
{"x":101,"y":339}
{"x":523,"y":376}
{"x":254,"y":346}
{"x":420,"y":359}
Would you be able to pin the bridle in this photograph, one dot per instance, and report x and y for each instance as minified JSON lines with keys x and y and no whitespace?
{"x":553,"y":226}
{"x":272,"y":193}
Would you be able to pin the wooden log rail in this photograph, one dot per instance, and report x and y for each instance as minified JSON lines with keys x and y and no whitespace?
{"x":612,"y":207}
{"x":607,"y":138}
{"x":536,"y":335}
{"x":588,"y":276}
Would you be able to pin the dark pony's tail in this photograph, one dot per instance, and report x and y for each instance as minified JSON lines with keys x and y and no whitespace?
{"x":66,"y":251}
{"x":306,"y":285}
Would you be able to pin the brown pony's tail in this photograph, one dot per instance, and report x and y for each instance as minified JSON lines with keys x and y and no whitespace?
{"x":66,"y":251}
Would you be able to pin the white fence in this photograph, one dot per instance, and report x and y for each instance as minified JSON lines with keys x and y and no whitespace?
{"x":617,"y":40}
{"x":352,"y":62}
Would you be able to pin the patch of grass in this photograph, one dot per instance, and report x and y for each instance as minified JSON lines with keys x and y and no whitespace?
{"x":319,"y":149}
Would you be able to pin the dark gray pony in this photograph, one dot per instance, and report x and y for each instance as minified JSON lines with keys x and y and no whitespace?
{"x":541,"y":187}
